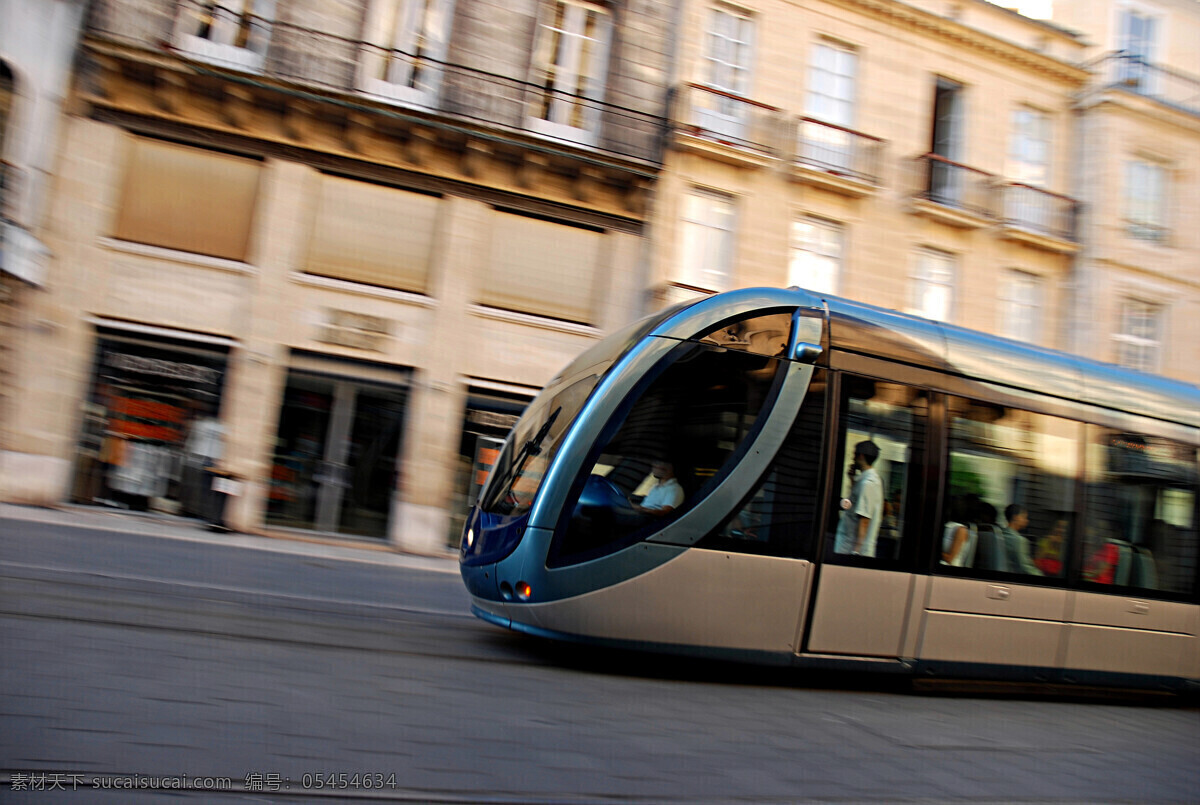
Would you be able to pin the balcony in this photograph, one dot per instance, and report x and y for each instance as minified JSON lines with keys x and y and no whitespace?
{"x":1130,"y":73}
{"x":954,"y":194}
{"x":414,"y":89}
{"x":836,"y":158}
{"x":726,"y":127}
{"x":1038,"y":217}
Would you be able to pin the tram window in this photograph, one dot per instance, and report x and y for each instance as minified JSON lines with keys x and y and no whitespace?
{"x":1141,"y":512}
{"x":519,"y":470}
{"x":1010,"y":491}
{"x":881,"y":445}
{"x":693,"y":416}
{"x":780,"y":516}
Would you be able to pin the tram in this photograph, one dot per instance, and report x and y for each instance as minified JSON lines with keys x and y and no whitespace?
{"x":775,"y":476}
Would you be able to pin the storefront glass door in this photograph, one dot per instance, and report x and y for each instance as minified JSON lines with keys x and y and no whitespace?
{"x":335,"y":456}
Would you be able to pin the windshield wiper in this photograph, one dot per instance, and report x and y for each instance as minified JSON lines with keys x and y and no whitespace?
{"x":532,"y":447}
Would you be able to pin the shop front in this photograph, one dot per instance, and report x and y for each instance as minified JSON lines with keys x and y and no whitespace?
{"x":151,"y":422}
{"x":337,"y":446}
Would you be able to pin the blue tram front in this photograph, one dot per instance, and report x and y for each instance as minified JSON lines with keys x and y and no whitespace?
{"x":555,"y":544}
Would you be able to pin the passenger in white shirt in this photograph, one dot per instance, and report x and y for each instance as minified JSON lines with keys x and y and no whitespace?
{"x":665,"y":496}
{"x":858,"y":527}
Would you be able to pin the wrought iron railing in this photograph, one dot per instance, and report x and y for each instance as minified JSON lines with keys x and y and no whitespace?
{"x":1132,"y":73}
{"x":722,"y":117}
{"x":838,"y":150}
{"x":314,"y":59}
{"x":1036,"y":210}
{"x":959,"y":187}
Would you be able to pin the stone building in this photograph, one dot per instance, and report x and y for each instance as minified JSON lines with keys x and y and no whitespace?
{"x":1137,"y":287}
{"x":917,"y":156}
{"x":331,"y":249}
{"x":956,"y":160}
{"x":37,"y":44}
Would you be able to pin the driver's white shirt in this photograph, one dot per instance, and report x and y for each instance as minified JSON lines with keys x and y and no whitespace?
{"x":665,"y":493}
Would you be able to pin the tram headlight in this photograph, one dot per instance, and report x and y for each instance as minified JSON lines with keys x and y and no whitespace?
{"x":524,"y":591}
{"x":470,"y":537}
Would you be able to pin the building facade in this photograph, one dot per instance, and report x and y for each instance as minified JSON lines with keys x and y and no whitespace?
{"x":1035,"y":180}
{"x":1137,"y":289}
{"x":915,"y":156}
{"x":37,"y":45}
{"x":330,"y":250}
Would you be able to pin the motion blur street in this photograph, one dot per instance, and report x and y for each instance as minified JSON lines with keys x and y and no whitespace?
{"x":148,"y":646}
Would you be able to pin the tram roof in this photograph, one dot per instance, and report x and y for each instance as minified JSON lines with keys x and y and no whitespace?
{"x":879,"y":332}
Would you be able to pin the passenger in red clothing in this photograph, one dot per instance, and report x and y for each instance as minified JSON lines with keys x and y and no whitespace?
{"x":1101,"y":566}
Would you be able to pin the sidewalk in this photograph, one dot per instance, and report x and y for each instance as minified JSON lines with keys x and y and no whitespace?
{"x":181,"y":528}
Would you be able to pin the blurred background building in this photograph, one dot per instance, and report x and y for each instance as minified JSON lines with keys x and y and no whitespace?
{"x":1136,"y":290}
{"x":955,"y":160}
{"x":331,"y":247}
{"x":334,"y":247}
{"x":37,"y":47}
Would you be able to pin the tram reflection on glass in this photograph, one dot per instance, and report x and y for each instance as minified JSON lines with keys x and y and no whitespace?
{"x":1029,"y":514}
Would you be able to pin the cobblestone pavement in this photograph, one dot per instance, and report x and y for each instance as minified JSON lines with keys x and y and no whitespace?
{"x":166,"y":674}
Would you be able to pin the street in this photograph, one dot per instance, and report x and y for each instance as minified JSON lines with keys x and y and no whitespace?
{"x":306,"y":672}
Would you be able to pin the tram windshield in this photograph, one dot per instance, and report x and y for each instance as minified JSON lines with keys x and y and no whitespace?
{"x":535,"y":439}
{"x":678,"y":438}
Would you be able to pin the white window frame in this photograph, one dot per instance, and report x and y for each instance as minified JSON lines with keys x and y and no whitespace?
{"x":232,"y":38}
{"x":1031,"y":133}
{"x":810,"y":252}
{"x":934,"y":269}
{"x":564,"y":80}
{"x":827,"y":83}
{"x":1144,"y":195}
{"x":1139,"y":350}
{"x":721,"y":44}
{"x":714,"y":272}
{"x":729,"y":32}
{"x":407,"y":40}
{"x":831,"y":98}
{"x":1142,"y":78}
{"x":1029,"y":153}
{"x":1023,"y":301}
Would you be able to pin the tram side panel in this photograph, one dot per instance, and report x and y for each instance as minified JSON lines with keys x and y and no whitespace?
{"x":701,"y":599}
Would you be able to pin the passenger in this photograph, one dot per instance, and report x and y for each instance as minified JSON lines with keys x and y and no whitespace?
{"x":1049,"y":554}
{"x":665,"y":496}
{"x":1101,"y":564}
{"x":960,"y":535}
{"x":858,"y":527}
{"x":1015,"y":544}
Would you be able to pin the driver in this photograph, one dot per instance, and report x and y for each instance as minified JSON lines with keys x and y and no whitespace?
{"x":666,"y":494}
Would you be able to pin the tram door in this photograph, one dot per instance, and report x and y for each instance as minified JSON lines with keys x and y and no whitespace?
{"x":861,"y":606}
